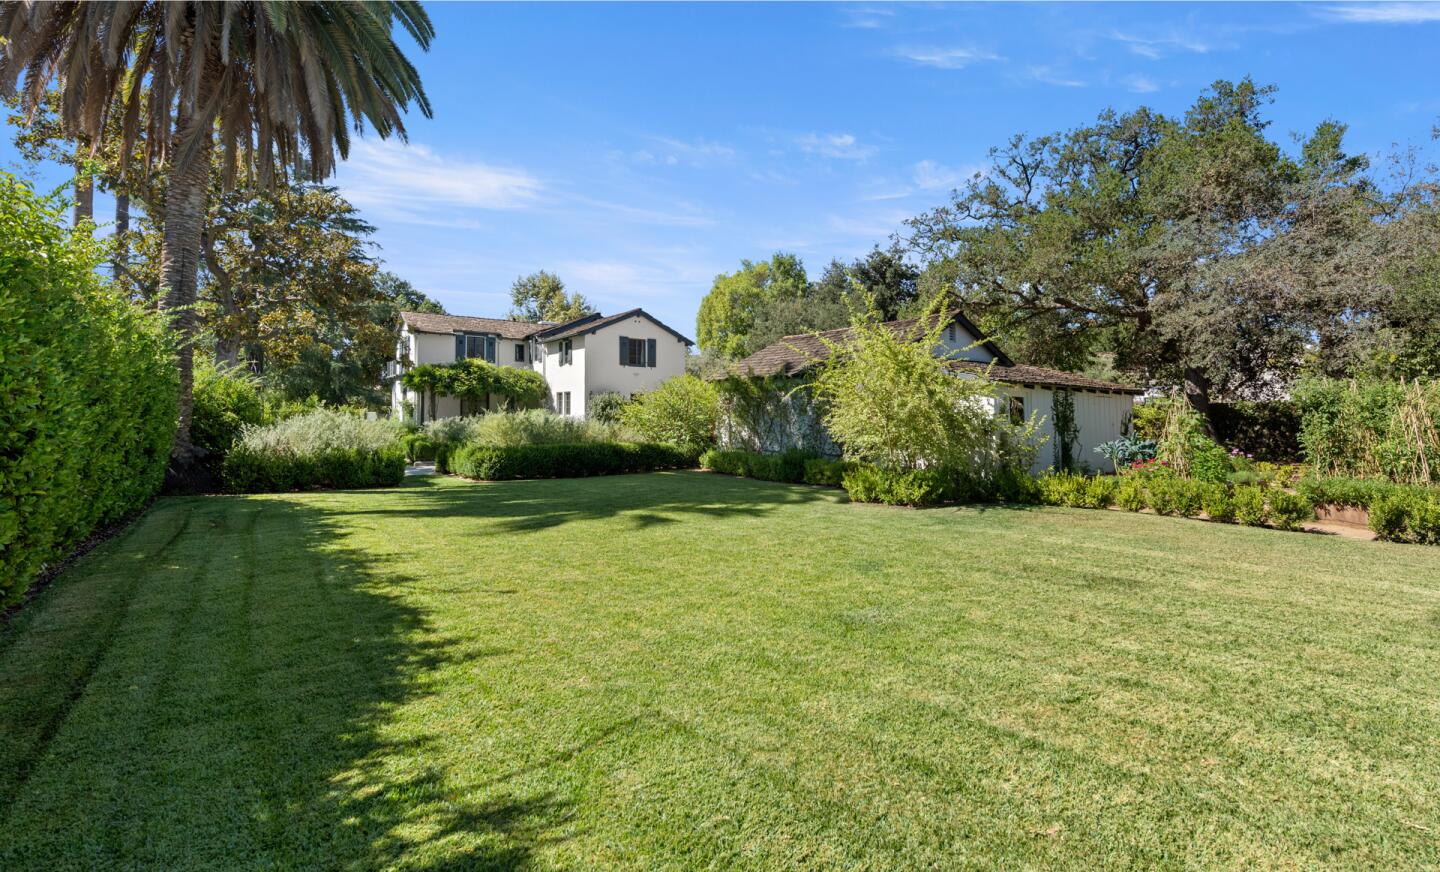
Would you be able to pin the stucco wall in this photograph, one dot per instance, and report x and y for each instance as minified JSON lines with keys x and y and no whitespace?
{"x":603,"y":371}
{"x":570,"y":377}
{"x":960,"y":348}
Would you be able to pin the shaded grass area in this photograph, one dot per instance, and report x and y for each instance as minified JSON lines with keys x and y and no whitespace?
{"x":688,"y":670}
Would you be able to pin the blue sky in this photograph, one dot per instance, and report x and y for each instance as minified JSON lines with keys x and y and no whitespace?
{"x":639,"y":150}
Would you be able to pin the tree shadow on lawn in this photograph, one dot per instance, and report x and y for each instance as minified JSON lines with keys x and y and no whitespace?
{"x":640,"y":501}
{"x":218,"y":688}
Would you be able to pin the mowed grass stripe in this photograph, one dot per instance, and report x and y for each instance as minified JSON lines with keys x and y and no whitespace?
{"x":683,"y":670}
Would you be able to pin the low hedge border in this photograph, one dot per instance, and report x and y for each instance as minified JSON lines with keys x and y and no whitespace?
{"x":565,"y":460}
{"x":249,"y":472}
{"x":1398,"y":512}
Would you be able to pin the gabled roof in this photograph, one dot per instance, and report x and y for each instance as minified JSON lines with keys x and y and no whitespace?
{"x":592,"y":323}
{"x":792,"y":355}
{"x":424,"y":322}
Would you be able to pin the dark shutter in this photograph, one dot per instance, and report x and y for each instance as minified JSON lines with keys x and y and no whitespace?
{"x":459,"y":346}
{"x":624,"y":350}
{"x":490,"y":349}
{"x":649,"y":352}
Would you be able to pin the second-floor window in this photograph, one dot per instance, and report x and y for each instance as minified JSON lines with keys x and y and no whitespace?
{"x":637,"y":352}
{"x":566,"y":351}
{"x":479,"y":345}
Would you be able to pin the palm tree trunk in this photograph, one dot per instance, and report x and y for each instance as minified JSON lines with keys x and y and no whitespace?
{"x":84,"y":199}
{"x":185,"y":210}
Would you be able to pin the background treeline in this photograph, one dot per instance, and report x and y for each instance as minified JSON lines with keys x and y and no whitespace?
{"x":1204,"y":253}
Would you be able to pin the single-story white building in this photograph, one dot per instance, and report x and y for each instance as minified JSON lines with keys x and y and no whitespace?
{"x":1102,"y":409}
{"x":628,"y":353}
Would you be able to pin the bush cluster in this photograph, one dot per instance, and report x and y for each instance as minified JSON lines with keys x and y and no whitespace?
{"x":89,"y":390}
{"x":574,"y":460}
{"x":325,"y":448}
{"x":826,"y":472}
{"x":1180,"y":497}
{"x":788,"y":466}
{"x":683,"y":411}
{"x":938,"y":486}
{"x":1369,"y":429}
{"x":1398,"y":512}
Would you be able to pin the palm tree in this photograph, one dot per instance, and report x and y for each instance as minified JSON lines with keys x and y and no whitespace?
{"x":274,"y":86}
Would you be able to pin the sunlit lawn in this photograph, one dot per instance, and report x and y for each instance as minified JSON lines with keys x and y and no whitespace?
{"x":685,"y":670}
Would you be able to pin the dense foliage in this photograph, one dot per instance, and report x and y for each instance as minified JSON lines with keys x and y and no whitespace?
{"x":683,"y":411}
{"x":575,"y":460}
{"x":476,"y":381}
{"x":227,"y":400}
{"x":788,"y":466}
{"x":88,"y":381}
{"x":890,"y":402}
{"x":1200,"y":250}
{"x":1364,"y":429}
{"x":541,"y":296}
{"x":325,"y":448}
{"x":1397,"y":512}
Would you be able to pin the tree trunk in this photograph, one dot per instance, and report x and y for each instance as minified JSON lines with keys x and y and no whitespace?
{"x":1197,"y":392}
{"x":122,"y":233}
{"x":227,"y":352}
{"x":185,"y":210}
{"x":84,"y":199}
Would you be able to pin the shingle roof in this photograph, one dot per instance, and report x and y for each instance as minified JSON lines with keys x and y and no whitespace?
{"x":425,"y":322}
{"x":591,"y":323}
{"x":793,"y":355}
{"x":1019,"y":373}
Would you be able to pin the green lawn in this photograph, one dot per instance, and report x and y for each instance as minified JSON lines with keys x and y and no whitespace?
{"x":684,"y":670}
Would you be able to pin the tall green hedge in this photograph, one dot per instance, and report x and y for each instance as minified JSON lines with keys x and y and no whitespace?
{"x":89,"y":386}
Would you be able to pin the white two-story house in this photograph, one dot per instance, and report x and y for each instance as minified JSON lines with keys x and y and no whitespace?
{"x":628,"y":354}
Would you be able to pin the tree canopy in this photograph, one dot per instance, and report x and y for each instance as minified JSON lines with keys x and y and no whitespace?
{"x":541,"y":296}
{"x":1195,"y":249}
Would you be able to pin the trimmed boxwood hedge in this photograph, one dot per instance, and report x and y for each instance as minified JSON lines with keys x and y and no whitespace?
{"x":89,"y":389}
{"x":565,"y":460}
{"x":787,"y":467}
{"x":249,"y":471}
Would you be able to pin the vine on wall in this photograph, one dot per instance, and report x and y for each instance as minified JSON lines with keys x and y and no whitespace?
{"x":1067,"y":432}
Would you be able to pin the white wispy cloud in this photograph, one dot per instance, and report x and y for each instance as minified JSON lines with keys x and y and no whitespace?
{"x":1140,"y":84}
{"x":1384,"y":13}
{"x":1157,"y":45}
{"x":837,"y":145}
{"x":951,"y":58}
{"x":386,"y":175}
{"x":866,"y":17}
{"x":926,"y":177}
{"x":666,"y":151}
{"x":1050,"y":76}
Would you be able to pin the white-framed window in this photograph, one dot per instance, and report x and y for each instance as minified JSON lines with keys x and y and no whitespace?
{"x":566,"y":350}
{"x":562,"y":402}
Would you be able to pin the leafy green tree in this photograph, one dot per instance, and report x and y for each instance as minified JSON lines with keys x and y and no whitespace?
{"x":883,"y":277}
{"x":273,"y":85}
{"x":541,"y":296}
{"x":1163,"y":241}
{"x":888,"y":400}
{"x":683,"y":411}
{"x":738,"y":303}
